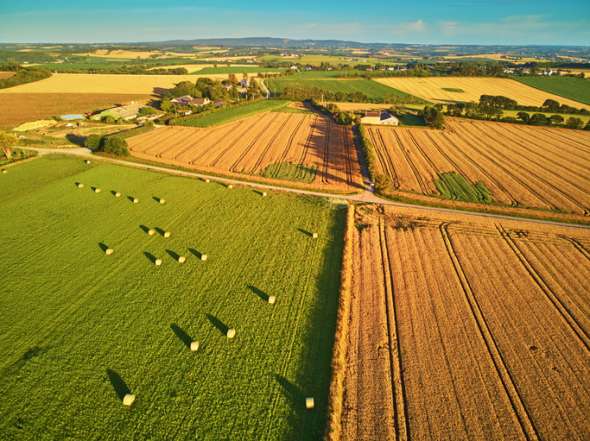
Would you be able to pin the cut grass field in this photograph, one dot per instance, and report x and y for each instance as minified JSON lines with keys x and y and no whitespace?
{"x":17,"y":108}
{"x":371,"y":89}
{"x":576,"y":89}
{"x":436,"y":89}
{"x":231,"y":113}
{"x":80,"y":328}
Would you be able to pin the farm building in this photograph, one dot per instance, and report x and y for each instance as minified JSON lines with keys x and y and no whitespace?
{"x":126,"y":112}
{"x":380,"y":118}
{"x":188,"y":100}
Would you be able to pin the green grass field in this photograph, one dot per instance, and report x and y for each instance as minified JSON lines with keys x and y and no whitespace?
{"x":79,"y":328}
{"x":290,"y":172}
{"x":452,"y":185}
{"x":230,"y":114}
{"x":577,"y":89}
{"x":238,"y":70}
{"x":371,"y":89}
{"x":316,"y":60}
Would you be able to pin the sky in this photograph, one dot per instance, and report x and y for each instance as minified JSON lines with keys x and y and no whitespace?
{"x":508,"y":22}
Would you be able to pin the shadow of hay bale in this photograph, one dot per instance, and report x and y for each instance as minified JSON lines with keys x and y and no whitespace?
{"x":182,"y":335}
{"x":218,"y":324}
{"x":264,"y":296}
{"x":119,"y":385}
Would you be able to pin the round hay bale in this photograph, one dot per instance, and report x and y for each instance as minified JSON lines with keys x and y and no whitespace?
{"x":162,"y":201}
{"x":158,"y":262}
{"x":194,"y":346}
{"x":231,"y":333}
{"x":315,"y":235}
{"x":117,"y":194}
{"x":309,"y":403}
{"x":128,"y":399}
{"x":203,"y":257}
{"x":151,"y":232}
{"x":97,"y":190}
{"x":4,"y":171}
{"x":135,"y":200}
{"x":87,"y":161}
{"x":181,"y":259}
{"x":272,"y":300}
{"x":167,"y":234}
{"x":264,"y":194}
{"x":109,"y":251}
{"x":207,"y":180}
{"x":80,"y":185}
{"x":230,"y":186}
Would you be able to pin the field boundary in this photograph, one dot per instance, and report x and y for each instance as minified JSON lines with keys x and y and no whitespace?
{"x":339,"y":353}
{"x":520,"y":411}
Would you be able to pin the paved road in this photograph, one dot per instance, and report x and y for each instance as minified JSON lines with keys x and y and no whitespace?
{"x":365,"y":196}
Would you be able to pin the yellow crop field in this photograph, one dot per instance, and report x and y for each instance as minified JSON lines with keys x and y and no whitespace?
{"x":436,"y":89}
{"x":196,"y":67}
{"x":125,"y":54}
{"x":105,"y":83}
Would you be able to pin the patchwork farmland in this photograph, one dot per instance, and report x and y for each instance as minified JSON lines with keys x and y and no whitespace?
{"x":509,"y":164}
{"x":453,"y":89}
{"x":486,"y":335}
{"x":305,"y":148}
{"x":80,"y":329}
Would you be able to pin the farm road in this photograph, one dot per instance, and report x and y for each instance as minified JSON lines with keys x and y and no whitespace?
{"x":364,"y":197}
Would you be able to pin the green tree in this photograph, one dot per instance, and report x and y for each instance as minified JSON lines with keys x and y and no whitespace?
{"x":556,"y":119}
{"x":523,"y":116}
{"x":551,"y":105}
{"x":93,"y":142}
{"x":574,"y":123}
{"x":539,"y":119}
{"x":115,"y":145}
{"x":382,"y":183}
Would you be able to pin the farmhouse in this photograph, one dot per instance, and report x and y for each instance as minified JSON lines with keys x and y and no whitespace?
{"x":126,"y":112}
{"x":380,"y":118}
{"x":188,"y":100}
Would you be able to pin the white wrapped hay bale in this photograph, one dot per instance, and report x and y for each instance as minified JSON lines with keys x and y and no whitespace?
{"x":151,"y":232}
{"x":109,"y":251}
{"x":128,"y":399}
{"x":80,"y":185}
{"x":315,"y":235}
{"x":162,"y":201}
{"x":158,"y":262}
{"x":97,"y":190}
{"x":207,"y":180}
{"x":117,"y":194}
{"x":167,"y":234}
{"x":194,"y":346}
{"x":4,"y":171}
{"x":309,"y":403}
{"x":231,"y":333}
{"x":203,"y":257}
{"x":230,"y":186}
{"x":264,"y":194}
{"x":135,"y":200}
{"x":272,"y":300}
{"x":181,"y":259}
{"x":87,"y":161}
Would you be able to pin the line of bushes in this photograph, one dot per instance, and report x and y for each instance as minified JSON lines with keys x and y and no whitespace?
{"x":113,"y":145}
{"x":333,"y":111}
{"x":23,"y":76}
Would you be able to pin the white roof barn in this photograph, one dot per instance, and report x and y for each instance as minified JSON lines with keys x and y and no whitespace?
{"x":380,"y":118}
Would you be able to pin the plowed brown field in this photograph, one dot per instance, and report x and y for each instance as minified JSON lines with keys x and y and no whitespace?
{"x":522,"y":166}
{"x":248,"y":146}
{"x":461,"y":328}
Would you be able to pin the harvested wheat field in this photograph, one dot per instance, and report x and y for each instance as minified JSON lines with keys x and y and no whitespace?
{"x":105,"y":83}
{"x":508,"y":164}
{"x":452,"y":89}
{"x":305,"y":148}
{"x":484,"y":336}
{"x":17,"y":108}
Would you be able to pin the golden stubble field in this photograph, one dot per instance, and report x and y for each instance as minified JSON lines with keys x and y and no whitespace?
{"x":17,"y":108}
{"x":522,"y":166}
{"x":249,"y":145}
{"x":105,"y":83}
{"x":463,"y":328}
{"x":433,"y":89}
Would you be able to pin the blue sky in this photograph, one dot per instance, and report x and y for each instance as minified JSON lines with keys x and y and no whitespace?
{"x":425,"y":21}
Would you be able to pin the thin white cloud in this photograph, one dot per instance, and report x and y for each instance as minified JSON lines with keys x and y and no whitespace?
{"x":409,"y":28}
